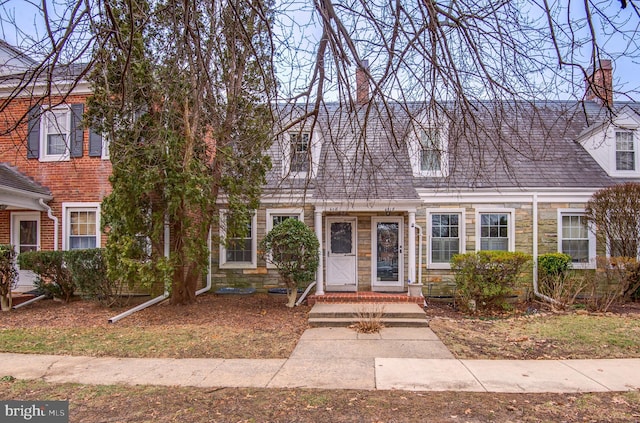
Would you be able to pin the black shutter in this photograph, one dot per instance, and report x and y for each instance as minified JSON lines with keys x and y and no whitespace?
{"x":33,"y":136}
{"x":95,"y":143}
{"x":77,"y":132}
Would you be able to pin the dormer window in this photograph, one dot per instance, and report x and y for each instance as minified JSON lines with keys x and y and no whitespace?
{"x":625,"y":151}
{"x":428,"y":150}
{"x":300,"y":148}
{"x":431,"y":151}
{"x":299,"y":144}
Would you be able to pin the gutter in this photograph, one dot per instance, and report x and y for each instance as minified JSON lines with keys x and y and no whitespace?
{"x":55,"y":222}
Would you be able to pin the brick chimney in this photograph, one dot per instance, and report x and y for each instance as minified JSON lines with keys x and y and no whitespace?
{"x":362,"y":83}
{"x":599,"y":85}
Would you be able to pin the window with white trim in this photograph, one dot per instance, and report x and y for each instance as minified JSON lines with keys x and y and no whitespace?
{"x":575,"y":238}
{"x":428,"y":150}
{"x":446,"y":237}
{"x":277,"y":216}
{"x":81,"y":226}
{"x":495,"y":230}
{"x":625,"y":151}
{"x":55,"y":133}
{"x":300,"y":152}
{"x":238,"y":250}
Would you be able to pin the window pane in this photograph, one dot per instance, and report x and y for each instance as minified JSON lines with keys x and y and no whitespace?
{"x":341,"y":238}
{"x":445,"y":242}
{"x":82,"y":229}
{"x":277,"y":219}
{"x":299,"y":152}
{"x":494,"y":231}
{"x":239,"y":249}
{"x":625,"y":151}
{"x":575,"y":238}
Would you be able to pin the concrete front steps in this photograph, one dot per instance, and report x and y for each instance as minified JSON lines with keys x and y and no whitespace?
{"x":346,"y":314}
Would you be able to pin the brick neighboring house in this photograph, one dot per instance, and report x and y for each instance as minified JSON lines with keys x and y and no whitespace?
{"x":53,"y":172}
{"x":391,"y":193}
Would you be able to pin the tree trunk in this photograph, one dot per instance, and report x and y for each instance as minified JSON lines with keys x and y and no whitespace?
{"x":292,"y":294}
{"x":5,"y":302}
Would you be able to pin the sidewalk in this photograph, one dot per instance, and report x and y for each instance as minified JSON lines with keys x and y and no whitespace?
{"x":339,"y":358}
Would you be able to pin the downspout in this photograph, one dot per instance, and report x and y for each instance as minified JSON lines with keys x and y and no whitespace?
{"x":55,"y":248}
{"x":536,"y":289}
{"x":419,"y":253}
{"x":208,"y":286}
{"x":154,"y":300}
{"x":55,"y":222}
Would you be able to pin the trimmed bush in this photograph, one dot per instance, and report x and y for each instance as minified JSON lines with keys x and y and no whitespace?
{"x":293,"y":248}
{"x":53,"y":276}
{"x":557,"y":281}
{"x":89,"y":272}
{"x":8,"y":275}
{"x":485,"y":279}
{"x":553,"y":264}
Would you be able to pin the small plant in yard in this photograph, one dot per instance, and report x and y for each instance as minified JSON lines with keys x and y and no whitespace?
{"x":293,"y":248}
{"x":615,"y":280}
{"x":485,"y":279}
{"x":54,"y":278}
{"x":8,"y":275}
{"x":557,"y":281}
{"x":89,"y":272}
{"x":369,"y":318}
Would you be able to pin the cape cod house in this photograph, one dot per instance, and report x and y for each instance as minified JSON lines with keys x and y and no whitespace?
{"x":391,"y":191}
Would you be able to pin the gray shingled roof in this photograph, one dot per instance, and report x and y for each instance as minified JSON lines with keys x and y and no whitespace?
{"x":10,"y":177}
{"x":365,"y":156}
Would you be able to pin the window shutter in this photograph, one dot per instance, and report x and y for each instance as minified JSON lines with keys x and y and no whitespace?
{"x":95,"y":143}
{"x":77,"y":132}
{"x":33,"y":136}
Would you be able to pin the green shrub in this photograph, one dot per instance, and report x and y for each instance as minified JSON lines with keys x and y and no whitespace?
{"x":89,"y":272}
{"x":8,"y":275}
{"x":553,"y":264}
{"x":53,"y":276}
{"x":557,"y":281}
{"x":293,"y":248}
{"x":484,"y":280}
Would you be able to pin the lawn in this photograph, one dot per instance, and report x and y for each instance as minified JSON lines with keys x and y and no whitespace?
{"x":174,"y":404}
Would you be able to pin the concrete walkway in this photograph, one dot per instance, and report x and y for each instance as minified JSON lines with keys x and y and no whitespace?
{"x":339,"y":358}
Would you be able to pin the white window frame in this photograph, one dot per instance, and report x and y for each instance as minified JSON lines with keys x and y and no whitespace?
{"x":511,"y":225}
{"x":315,"y":145}
{"x":44,"y":119}
{"x":634,"y":143}
{"x":67,"y":208}
{"x":591,"y":237}
{"x":224,"y":264}
{"x":415,"y":149}
{"x":461,"y":235}
{"x":298,"y":212}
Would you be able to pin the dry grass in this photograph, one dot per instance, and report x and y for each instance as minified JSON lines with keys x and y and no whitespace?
{"x":369,"y":318}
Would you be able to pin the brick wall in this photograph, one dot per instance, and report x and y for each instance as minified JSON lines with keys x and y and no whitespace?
{"x":83,"y":179}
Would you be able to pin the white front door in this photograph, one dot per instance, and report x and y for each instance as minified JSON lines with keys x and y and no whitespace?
{"x":387,"y":258}
{"x":342,"y":258}
{"x":25,"y":236}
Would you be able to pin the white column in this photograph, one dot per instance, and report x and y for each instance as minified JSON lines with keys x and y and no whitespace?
{"x":412,"y":247}
{"x":320,"y":272}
